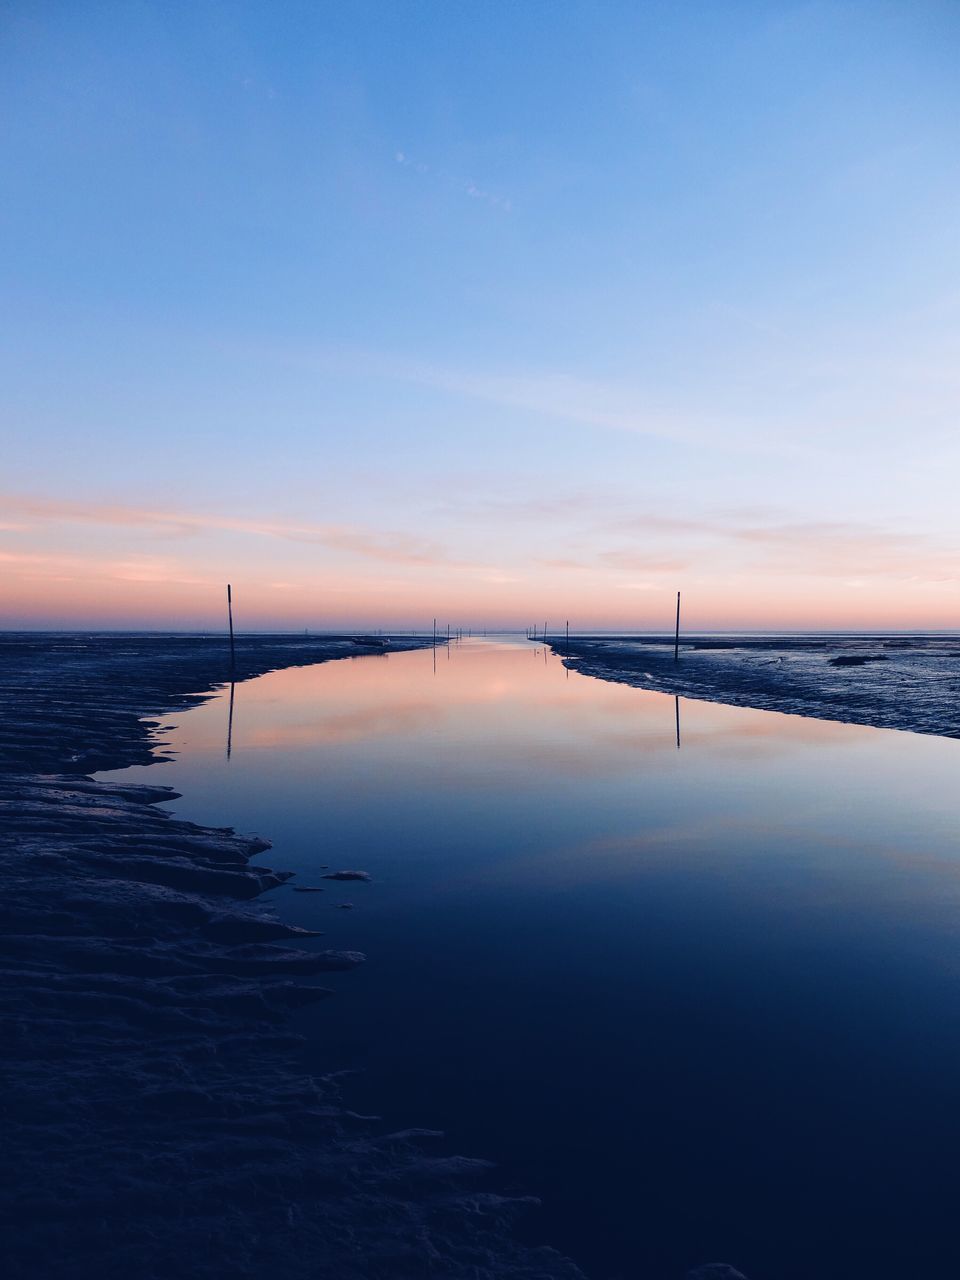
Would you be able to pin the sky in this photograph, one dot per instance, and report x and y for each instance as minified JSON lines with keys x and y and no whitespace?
{"x":498,"y":312}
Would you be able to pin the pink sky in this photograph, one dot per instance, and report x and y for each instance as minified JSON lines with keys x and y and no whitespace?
{"x":66,"y":564}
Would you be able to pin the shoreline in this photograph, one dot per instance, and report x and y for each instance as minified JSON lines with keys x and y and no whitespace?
{"x":883,"y":681}
{"x":157,"y":1106}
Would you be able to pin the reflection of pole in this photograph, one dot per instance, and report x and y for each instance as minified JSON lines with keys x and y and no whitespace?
{"x":230,"y":721}
{"x":230,"y":617}
{"x":676,"y":638}
{"x":676,"y":703}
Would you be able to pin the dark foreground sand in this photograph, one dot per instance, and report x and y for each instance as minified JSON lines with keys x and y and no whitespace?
{"x":889,"y":682}
{"x":158,"y":1120}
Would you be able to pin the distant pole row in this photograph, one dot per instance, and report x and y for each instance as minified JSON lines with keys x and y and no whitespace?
{"x":457,"y":634}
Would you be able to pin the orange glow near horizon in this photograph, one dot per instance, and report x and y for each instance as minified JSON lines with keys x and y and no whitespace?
{"x":103,"y":602}
{"x":101,"y":566}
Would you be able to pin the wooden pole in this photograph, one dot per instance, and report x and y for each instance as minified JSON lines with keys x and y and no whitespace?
{"x":230,"y":618}
{"x":568,"y":635}
{"x":676,"y":637}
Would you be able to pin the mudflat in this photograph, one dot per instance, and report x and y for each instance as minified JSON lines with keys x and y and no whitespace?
{"x":885,"y":681}
{"x":158,"y":1117}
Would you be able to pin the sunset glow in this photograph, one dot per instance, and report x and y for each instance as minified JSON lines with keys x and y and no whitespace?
{"x":319,"y":313}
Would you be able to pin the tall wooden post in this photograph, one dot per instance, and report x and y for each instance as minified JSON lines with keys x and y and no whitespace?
{"x":230,"y":619}
{"x":676,"y":638}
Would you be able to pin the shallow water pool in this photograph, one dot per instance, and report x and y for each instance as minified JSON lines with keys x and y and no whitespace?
{"x":689,"y":973}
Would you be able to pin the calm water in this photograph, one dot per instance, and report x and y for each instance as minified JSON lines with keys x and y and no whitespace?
{"x":703,"y":1001}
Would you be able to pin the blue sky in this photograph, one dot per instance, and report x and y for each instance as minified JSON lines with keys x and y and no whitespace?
{"x":383,"y":310}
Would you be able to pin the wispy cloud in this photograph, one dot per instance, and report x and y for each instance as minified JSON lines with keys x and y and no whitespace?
{"x":637,"y":562}
{"x":467,"y":186}
{"x":65,"y":567}
{"x":258,"y":88}
{"x":385,"y":546}
{"x":838,"y":549}
{"x":605,"y":405}
{"x":846,"y":550}
{"x":748,"y":541}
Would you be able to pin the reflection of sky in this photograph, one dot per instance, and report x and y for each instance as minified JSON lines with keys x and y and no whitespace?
{"x":732,"y":939}
{"x":498,"y":714}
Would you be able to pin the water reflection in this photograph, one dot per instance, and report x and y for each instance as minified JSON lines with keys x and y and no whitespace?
{"x":487,"y":703}
{"x":233,"y":689}
{"x":705,"y":1002}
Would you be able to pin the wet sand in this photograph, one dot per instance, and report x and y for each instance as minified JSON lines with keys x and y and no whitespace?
{"x":884,"y":681}
{"x":158,"y":1118}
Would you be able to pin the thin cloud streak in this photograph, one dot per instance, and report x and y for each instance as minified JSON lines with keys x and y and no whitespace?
{"x":389,"y":548}
{"x":602,"y":405}
{"x":672,"y":545}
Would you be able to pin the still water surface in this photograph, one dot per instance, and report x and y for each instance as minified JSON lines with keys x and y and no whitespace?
{"x":703,"y":1000}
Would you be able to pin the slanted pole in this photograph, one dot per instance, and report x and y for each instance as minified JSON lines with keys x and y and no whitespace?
{"x":676,"y":636}
{"x":230,"y":619}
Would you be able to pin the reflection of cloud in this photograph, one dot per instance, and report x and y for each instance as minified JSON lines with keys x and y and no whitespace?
{"x":582,"y":729}
{"x":346,"y":726}
{"x":900,"y":881}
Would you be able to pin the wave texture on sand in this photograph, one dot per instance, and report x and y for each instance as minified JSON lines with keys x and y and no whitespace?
{"x":888,"y":682}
